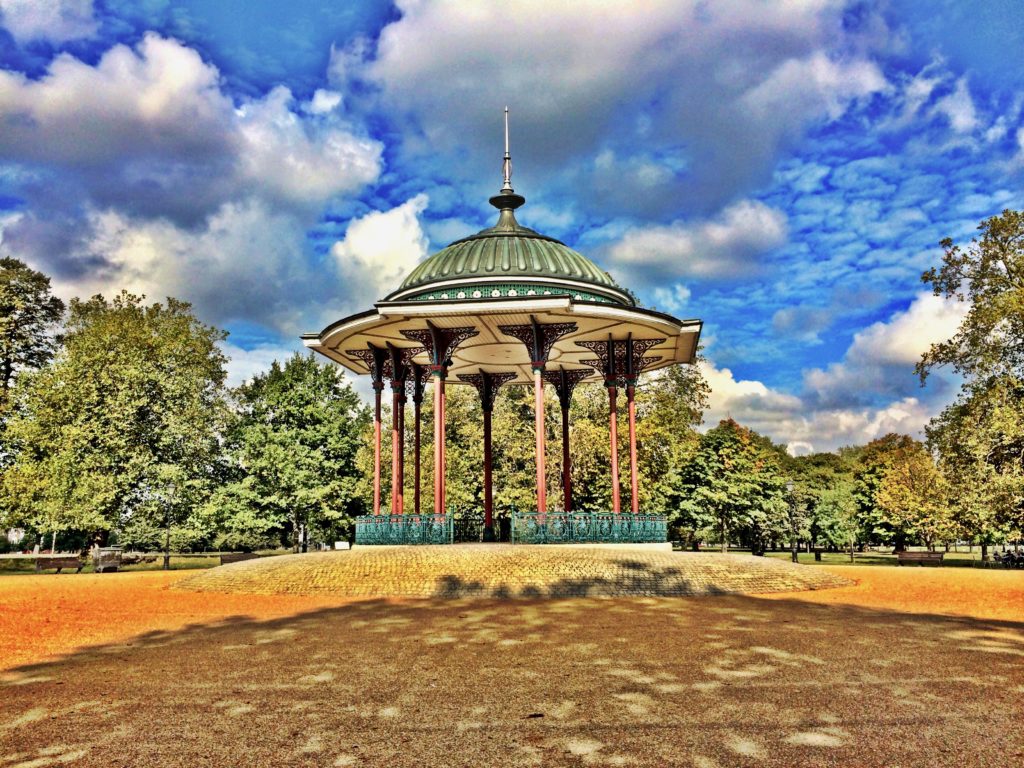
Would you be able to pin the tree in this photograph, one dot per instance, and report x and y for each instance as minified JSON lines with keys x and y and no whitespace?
{"x":291,"y":457}
{"x":870,"y":463}
{"x":28,"y":315}
{"x":980,"y":439}
{"x":733,"y":485}
{"x":913,"y":495}
{"x":989,"y":276}
{"x":123,"y":425}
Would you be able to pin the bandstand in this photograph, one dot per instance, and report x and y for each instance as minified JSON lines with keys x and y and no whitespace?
{"x":505,"y":306}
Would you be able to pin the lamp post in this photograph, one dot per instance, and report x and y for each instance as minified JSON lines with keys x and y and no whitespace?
{"x":792,"y":520}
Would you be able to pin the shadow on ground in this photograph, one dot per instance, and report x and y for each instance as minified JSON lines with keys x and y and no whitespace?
{"x":715,"y":681}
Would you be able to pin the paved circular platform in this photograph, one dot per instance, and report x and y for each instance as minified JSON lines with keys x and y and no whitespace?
{"x":501,"y":570}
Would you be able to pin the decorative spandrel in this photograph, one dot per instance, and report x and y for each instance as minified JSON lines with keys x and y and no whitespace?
{"x":376,"y":359}
{"x":440,"y":343}
{"x":564,"y":381}
{"x":487,"y":384}
{"x":399,"y":362}
{"x":620,"y":359}
{"x":539,"y":338}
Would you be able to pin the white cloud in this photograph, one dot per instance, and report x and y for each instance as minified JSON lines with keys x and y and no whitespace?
{"x":381,"y":248}
{"x":802,"y":427}
{"x":672,"y":299}
{"x":324,"y":101}
{"x":727,"y":246}
{"x":150,"y":130}
{"x":243,"y":364}
{"x":53,"y":20}
{"x":298,"y":161}
{"x":882,"y":357}
{"x":730,"y":81}
{"x":958,"y":108}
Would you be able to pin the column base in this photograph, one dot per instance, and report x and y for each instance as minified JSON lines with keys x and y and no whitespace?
{"x":489,"y":534}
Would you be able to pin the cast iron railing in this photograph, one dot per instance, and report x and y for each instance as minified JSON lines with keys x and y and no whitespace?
{"x":527,"y":528}
{"x":404,"y":529}
{"x":572,"y":527}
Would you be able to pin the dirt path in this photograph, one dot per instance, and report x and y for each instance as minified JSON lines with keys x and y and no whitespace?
{"x":899,"y":670}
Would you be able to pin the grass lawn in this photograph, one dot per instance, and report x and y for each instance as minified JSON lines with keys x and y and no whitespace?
{"x":22,"y":566}
{"x":952,"y":559}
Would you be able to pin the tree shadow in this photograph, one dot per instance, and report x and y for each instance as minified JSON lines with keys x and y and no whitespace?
{"x":733,"y":679}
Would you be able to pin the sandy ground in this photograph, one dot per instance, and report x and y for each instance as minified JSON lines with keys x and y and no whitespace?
{"x":909,"y":667}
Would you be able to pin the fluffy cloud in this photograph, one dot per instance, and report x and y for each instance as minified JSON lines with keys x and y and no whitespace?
{"x":881,"y":359}
{"x":150,"y":130}
{"x":380,"y":249}
{"x":53,"y":20}
{"x":801,"y":426}
{"x":727,"y":246}
{"x":722,"y":86}
{"x":243,"y":364}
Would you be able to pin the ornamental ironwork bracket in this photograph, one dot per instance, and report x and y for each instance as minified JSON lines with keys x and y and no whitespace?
{"x":487,"y":384}
{"x":620,"y":360}
{"x":440,"y":343}
{"x":539,"y":338}
{"x":565,"y":381}
{"x":376,"y":359}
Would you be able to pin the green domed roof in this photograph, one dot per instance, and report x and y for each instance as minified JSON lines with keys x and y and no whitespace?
{"x":509,"y":259}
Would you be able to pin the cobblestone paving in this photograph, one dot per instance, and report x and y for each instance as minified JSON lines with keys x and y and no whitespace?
{"x":504,"y":571}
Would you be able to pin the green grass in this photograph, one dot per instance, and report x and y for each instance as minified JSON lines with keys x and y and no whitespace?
{"x":951,"y":559}
{"x":14,"y":567}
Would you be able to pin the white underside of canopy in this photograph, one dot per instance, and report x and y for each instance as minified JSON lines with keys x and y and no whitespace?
{"x":492,"y":350}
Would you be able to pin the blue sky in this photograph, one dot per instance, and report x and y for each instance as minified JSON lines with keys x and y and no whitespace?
{"x":784,"y":171}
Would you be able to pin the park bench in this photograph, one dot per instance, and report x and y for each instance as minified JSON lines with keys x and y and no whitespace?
{"x":237,"y":557}
{"x":919,"y":557}
{"x":59,"y":562}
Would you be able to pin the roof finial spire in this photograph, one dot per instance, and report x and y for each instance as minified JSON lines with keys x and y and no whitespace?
{"x":506,"y":166}
{"x":507,"y":200}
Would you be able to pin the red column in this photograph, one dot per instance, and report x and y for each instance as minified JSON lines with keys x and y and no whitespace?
{"x":396,"y":451}
{"x":376,"y":447}
{"x":416,"y":453}
{"x":634,"y":486}
{"x":488,"y":495}
{"x":439,"y":442}
{"x":566,"y":461}
{"x":613,"y":421}
{"x":538,"y":423}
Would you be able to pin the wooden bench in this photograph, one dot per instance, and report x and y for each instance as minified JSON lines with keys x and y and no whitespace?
{"x":919,"y":557}
{"x":59,"y":562}
{"x":237,"y":557}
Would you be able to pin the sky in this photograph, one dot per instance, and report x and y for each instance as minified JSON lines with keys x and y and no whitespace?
{"x":783,"y":170}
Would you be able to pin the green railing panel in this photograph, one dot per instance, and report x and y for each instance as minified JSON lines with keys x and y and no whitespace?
{"x":404,"y":529}
{"x":597,"y":527}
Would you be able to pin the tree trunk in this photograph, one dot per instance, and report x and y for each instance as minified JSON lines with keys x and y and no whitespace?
{"x":984,"y":552}
{"x":725,"y":538}
{"x":53,"y":544}
{"x":793,"y":552}
{"x":851,"y":549}
{"x":167,"y":545}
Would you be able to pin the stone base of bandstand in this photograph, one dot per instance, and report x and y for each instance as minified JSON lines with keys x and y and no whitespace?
{"x":512,"y":571}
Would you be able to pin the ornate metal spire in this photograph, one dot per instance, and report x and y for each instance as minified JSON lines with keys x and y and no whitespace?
{"x":506,"y":166}
{"x":507,"y":200}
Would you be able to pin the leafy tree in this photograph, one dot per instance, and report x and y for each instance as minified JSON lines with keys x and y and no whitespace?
{"x":871,"y":462}
{"x":123,"y":425}
{"x":835,"y":513}
{"x":733,"y":485}
{"x":980,"y":439}
{"x":28,"y":315}
{"x":988,"y":275}
{"x":291,"y":458}
{"x":913,"y":495}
